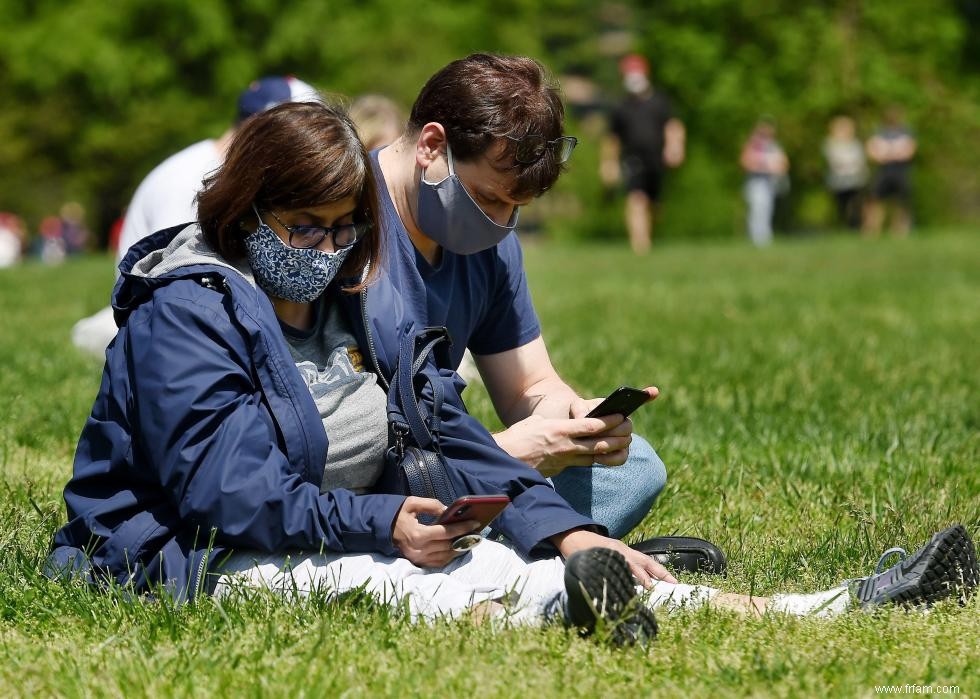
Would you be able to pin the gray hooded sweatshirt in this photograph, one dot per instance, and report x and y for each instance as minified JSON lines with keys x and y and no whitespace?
{"x":352,"y":406}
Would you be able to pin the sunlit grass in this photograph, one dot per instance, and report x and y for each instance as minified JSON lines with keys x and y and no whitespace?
{"x":819,"y":405}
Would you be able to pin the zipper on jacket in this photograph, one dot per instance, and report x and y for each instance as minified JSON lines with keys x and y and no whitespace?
{"x":367,"y":331}
{"x":199,"y":584}
{"x":200,"y":574}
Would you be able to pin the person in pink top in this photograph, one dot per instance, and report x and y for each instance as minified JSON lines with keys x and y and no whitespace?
{"x":767,"y":175}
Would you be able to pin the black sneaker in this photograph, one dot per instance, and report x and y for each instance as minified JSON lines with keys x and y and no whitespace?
{"x":945,"y":566}
{"x":599,"y":584}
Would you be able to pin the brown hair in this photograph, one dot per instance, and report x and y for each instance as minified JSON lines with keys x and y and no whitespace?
{"x":378,"y":119}
{"x":484,"y":97}
{"x":296,"y":155}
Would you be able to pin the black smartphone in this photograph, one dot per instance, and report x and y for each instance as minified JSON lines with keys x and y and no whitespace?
{"x":623,"y":401}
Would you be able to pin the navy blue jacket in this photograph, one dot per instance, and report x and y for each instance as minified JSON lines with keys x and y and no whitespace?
{"x":204,"y":439}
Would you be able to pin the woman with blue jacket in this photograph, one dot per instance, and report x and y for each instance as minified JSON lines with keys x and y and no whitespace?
{"x":240,"y":429}
{"x":241,"y":423}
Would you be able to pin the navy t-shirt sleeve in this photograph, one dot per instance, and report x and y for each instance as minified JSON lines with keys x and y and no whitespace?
{"x":510,"y":320}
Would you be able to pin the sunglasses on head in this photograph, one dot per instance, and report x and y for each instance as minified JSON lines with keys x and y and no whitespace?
{"x":532,"y":147}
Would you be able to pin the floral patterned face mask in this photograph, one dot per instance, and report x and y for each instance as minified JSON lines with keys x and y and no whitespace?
{"x":300,"y":275}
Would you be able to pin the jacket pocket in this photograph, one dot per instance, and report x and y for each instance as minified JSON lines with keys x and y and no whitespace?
{"x":130,"y":546}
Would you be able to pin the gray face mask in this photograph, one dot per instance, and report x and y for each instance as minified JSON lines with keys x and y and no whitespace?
{"x":448,"y":215}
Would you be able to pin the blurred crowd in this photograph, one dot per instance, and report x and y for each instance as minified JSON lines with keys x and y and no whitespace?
{"x":862,"y":201}
{"x":869,"y":181}
{"x":646,"y":139}
{"x":58,"y":236}
{"x":166,"y":195}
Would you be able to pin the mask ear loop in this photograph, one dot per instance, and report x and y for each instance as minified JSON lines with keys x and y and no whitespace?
{"x":452,"y":169}
{"x":257,"y":216}
{"x":449,"y":159}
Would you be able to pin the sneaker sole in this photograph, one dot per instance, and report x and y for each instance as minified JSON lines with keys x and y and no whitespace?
{"x":599,"y":584}
{"x":946,"y":566}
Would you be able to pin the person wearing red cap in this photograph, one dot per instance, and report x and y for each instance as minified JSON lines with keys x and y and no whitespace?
{"x":645,"y":138}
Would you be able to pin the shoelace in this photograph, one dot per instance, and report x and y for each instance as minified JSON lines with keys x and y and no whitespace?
{"x":854,"y":585}
{"x":890,"y":552}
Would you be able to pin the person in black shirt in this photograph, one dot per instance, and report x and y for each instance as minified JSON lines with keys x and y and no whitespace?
{"x":892,"y":149}
{"x":645,"y":138}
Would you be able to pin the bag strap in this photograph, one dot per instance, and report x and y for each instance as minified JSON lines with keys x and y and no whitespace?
{"x":405,"y":411}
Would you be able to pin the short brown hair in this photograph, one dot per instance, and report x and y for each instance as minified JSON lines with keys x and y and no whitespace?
{"x":484,"y":97}
{"x":296,"y":155}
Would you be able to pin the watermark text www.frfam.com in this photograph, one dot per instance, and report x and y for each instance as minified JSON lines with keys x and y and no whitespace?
{"x":917,"y":689}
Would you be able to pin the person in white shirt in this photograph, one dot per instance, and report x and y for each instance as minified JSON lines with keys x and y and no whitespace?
{"x":11,"y":239}
{"x":167,"y":195}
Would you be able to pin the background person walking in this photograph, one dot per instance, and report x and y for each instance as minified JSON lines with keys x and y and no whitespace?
{"x":847,"y":170}
{"x":892,"y":148}
{"x":645,"y":138}
{"x":767,"y":175}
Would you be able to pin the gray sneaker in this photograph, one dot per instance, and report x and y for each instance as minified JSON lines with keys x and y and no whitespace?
{"x":946,"y":565}
{"x":599,"y":584}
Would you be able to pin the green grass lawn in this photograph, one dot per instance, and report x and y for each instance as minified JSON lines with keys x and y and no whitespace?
{"x":820,"y":404}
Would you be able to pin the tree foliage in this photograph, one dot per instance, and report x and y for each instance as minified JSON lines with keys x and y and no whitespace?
{"x":96,"y":93}
{"x":726,"y":62}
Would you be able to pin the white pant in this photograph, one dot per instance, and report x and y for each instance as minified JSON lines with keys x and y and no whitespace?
{"x":760,"y":194}
{"x":93,"y":334}
{"x":532,"y":591}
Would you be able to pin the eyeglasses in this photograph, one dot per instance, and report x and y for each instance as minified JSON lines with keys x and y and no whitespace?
{"x":342,"y":236}
{"x":532,"y":147}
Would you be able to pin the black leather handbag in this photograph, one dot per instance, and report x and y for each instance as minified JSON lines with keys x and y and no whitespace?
{"x":415,"y":464}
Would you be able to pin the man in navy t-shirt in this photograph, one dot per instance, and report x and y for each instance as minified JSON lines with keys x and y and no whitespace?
{"x":484,"y":138}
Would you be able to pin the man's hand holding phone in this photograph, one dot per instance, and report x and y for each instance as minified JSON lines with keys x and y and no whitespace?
{"x":623,"y":401}
{"x":617,"y":407}
{"x":552,"y":444}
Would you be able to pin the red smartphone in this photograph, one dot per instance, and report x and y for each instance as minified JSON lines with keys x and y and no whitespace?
{"x":623,"y":401}
{"x":482,"y":508}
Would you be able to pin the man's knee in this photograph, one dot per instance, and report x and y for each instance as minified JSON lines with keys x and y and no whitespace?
{"x":635,"y":485}
{"x":647,"y":470}
{"x":623,"y":495}
{"x":617,"y":497}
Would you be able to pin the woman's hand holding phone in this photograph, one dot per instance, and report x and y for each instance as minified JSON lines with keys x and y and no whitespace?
{"x":427,"y":545}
